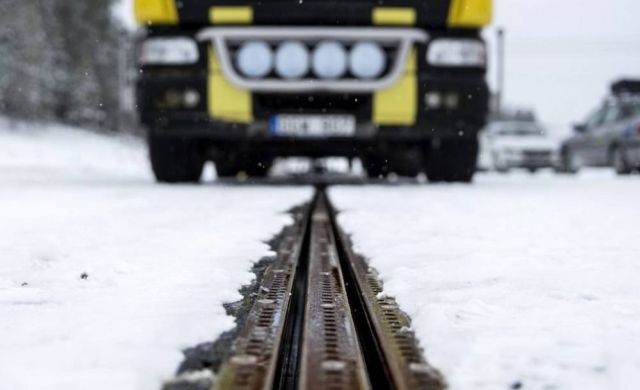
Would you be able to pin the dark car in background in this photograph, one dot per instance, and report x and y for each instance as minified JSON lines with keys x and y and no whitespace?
{"x":610,"y":136}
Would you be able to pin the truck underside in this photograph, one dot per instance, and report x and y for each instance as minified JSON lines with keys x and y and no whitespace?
{"x":419,"y":111}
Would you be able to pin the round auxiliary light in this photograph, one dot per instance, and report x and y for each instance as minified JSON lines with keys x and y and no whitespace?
{"x":292,"y":60}
{"x":329,"y":60}
{"x":367,"y":60}
{"x":255,"y":59}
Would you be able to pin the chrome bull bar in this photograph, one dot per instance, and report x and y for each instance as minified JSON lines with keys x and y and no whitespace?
{"x":401,"y":38}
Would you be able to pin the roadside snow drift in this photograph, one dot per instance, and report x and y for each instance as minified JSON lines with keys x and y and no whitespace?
{"x":526,"y":282}
{"x":105,"y":276}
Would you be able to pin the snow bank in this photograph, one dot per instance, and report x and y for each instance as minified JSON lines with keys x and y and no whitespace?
{"x":158,"y":261}
{"x":529,"y":280}
{"x":123,"y":11}
{"x":41,"y":152}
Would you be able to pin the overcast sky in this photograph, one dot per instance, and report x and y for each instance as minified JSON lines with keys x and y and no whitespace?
{"x":561,"y":54}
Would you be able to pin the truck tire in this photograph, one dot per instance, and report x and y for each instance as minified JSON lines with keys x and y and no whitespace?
{"x":226,"y":168}
{"x":258,"y":166}
{"x":452,"y":161}
{"x":176,"y":160}
{"x":376,"y":166}
{"x":407,"y":162}
{"x":407,"y":170}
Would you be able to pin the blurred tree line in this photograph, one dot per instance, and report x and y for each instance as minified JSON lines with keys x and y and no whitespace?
{"x":59,"y":60}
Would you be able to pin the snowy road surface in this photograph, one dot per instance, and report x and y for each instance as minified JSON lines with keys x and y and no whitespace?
{"x":530,"y":280}
{"x":517,"y":279}
{"x":160,"y":261}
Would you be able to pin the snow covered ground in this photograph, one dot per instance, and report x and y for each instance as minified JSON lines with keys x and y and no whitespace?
{"x":159,"y":260}
{"x":519,"y":280}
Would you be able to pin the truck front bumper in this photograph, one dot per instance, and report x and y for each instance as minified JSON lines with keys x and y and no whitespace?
{"x":460,"y":112}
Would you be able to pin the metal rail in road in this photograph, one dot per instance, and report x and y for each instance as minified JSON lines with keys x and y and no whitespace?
{"x":321,"y":320}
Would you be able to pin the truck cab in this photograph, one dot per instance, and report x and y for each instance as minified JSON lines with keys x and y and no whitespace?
{"x":400,"y":85}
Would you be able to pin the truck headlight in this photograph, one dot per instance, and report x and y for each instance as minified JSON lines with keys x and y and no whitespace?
{"x":255,"y":59}
{"x":169,"y":51}
{"x":457,"y":52}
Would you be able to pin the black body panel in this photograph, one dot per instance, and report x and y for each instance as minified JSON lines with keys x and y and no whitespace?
{"x":432,"y":13}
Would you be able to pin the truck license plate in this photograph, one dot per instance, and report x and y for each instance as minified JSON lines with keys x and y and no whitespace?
{"x":313,"y":125}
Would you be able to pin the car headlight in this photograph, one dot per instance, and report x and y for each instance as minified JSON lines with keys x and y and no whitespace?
{"x":255,"y":59}
{"x":292,"y":60}
{"x":367,"y":60}
{"x":457,"y":52}
{"x":169,"y":51}
{"x":329,"y":60}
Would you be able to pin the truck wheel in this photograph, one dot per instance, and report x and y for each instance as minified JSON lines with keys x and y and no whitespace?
{"x":176,"y":160}
{"x":226,"y":168}
{"x":377,"y":167}
{"x":407,"y":162}
{"x":407,"y":170}
{"x":258,"y":166}
{"x":452,"y":161}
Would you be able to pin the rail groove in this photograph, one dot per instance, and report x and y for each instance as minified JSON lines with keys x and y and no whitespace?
{"x":321,"y":320}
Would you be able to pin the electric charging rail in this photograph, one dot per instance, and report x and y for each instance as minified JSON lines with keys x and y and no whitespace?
{"x":320,"y":320}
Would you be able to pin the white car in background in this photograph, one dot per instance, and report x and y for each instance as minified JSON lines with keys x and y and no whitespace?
{"x":517,"y":144}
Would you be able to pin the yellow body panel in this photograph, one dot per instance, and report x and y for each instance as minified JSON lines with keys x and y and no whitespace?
{"x":226,"y":102}
{"x":155,"y":11}
{"x":398,"y":105}
{"x":470,"y":13}
{"x":231,"y":15}
{"x":394,"y":16}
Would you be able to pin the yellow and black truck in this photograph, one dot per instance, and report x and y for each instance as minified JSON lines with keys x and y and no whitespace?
{"x":399,"y":84}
